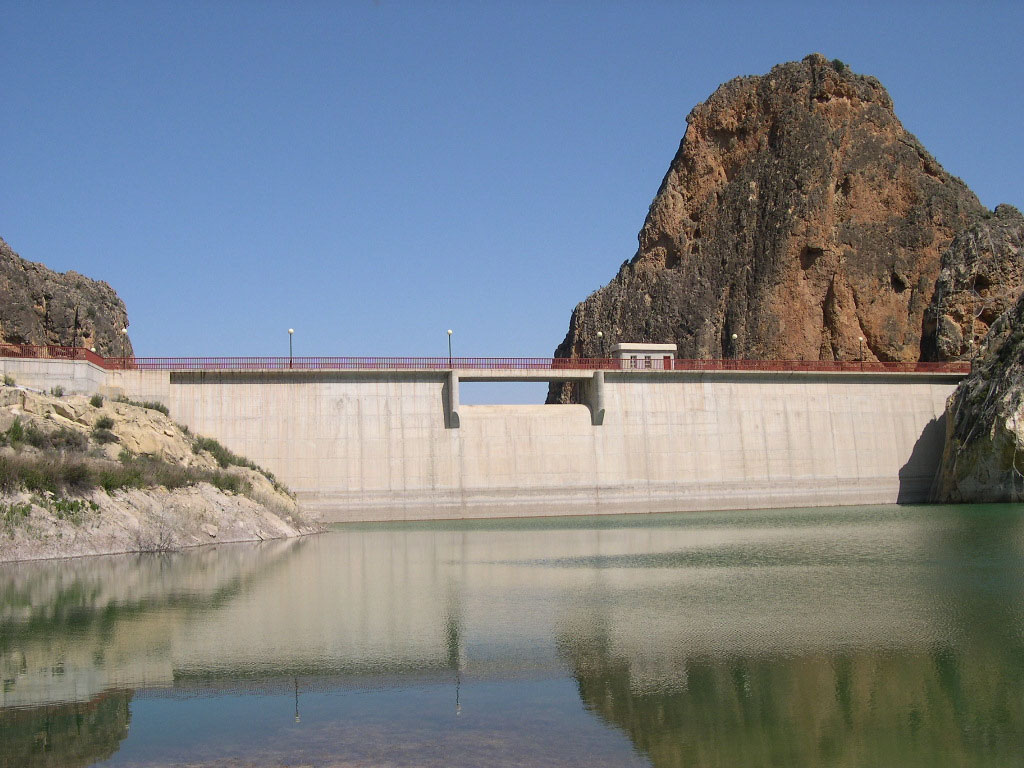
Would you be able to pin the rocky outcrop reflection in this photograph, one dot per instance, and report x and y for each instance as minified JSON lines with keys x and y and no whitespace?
{"x":949,"y":698}
{"x":70,"y":630}
{"x":64,"y":735}
{"x":939,"y":708}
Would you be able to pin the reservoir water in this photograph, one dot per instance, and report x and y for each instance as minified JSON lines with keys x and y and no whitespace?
{"x":855,"y":636}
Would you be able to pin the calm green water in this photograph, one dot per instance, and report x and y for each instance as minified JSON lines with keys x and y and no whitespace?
{"x":881,"y":636}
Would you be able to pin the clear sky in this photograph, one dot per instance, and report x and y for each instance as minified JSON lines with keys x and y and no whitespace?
{"x":374,"y":173}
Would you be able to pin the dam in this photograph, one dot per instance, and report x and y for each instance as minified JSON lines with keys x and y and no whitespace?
{"x":368,"y":439}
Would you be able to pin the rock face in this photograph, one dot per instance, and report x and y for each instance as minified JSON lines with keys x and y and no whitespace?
{"x":983,"y":459}
{"x":798,"y":214}
{"x":981,"y":277}
{"x":39,"y":306}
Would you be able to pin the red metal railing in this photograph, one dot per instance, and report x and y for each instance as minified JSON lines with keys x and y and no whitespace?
{"x":471,"y":363}
{"x":51,"y":352}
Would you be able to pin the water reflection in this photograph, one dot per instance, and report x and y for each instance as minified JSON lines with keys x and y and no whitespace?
{"x":816,"y":637}
{"x":64,"y":735}
{"x":949,"y":693}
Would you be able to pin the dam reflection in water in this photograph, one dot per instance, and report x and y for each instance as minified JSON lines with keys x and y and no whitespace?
{"x":853,"y":636}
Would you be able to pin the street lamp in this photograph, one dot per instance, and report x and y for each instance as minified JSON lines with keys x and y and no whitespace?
{"x":291,"y":332}
{"x":450,"y":348}
{"x":861,"y":340}
{"x":600,"y":340}
{"x":735,"y":354}
{"x":124,"y":351}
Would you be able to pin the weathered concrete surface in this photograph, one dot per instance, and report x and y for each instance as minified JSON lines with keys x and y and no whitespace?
{"x":361,"y":448}
{"x":78,"y":377}
{"x":373,"y":445}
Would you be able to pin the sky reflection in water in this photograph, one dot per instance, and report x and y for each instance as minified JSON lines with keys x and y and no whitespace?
{"x":839,"y":637}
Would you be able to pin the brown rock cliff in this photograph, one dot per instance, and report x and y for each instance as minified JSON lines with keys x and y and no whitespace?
{"x":798,"y":214}
{"x":40,"y":306}
{"x":981,"y":277}
{"x":983,"y":459}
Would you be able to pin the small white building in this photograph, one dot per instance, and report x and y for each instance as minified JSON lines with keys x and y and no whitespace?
{"x":645,"y":356}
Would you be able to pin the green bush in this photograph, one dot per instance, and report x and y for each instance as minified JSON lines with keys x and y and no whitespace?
{"x":77,"y":476}
{"x":839,"y":66}
{"x":226,"y":458}
{"x":52,"y":475}
{"x":104,"y":422}
{"x":57,"y":391}
{"x":15,"y":433}
{"x":62,"y":439}
{"x":12,"y":514}
{"x":103,"y":436}
{"x":153,"y":406}
{"x":8,"y":380}
{"x":41,"y":476}
{"x":96,"y":401}
{"x":114,"y":478}
{"x":72,"y":509}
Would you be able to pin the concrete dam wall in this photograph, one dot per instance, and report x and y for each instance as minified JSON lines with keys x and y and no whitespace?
{"x":396,"y":445}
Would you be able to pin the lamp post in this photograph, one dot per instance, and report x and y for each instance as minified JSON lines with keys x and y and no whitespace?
{"x":600,"y":340}
{"x":861,"y":340}
{"x":450,"y":348}
{"x":734,"y":352}
{"x":124,"y":350}
{"x":291,"y":332}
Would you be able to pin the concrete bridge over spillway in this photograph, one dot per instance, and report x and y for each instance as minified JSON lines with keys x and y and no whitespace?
{"x":387,"y":438}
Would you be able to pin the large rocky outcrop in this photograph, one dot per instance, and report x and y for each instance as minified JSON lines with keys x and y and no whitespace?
{"x":983,"y":459}
{"x":40,"y":306}
{"x":981,"y":277}
{"x":799,"y":215}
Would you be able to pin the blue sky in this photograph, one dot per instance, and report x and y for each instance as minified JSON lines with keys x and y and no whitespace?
{"x":374,"y":173}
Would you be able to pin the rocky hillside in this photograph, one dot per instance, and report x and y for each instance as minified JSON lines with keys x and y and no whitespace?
{"x":82,"y":476}
{"x":798,"y":214}
{"x":981,"y":277}
{"x":40,"y":306}
{"x":983,"y":458}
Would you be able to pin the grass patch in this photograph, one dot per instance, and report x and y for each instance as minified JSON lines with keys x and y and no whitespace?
{"x":62,"y":440}
{"x":104,"y":422}
{"x":8,"y":380}
{"x":225,"y":458}
{"x":153,"y":406}
{"x":12,"y":514}
{"x":53,"y":475}
{"x":96,"y":401}
{"x":73,"y":510}
{"x":15,"y":433}
{"x":221,"y":455}
{"x":103,"y":436}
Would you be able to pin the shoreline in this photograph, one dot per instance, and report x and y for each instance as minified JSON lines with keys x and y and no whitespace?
{"x":82,"y":476}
